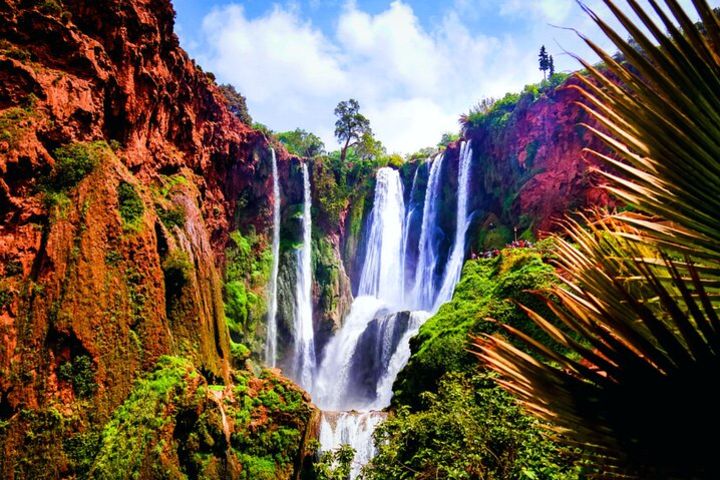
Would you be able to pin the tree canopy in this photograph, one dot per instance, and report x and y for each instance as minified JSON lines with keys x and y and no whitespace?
{"x":351,"y":125}
{"x":302,"y":143}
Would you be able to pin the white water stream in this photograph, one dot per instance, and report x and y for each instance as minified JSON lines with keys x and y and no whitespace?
{"x":271,"y":341}
{"x":353,"y":382}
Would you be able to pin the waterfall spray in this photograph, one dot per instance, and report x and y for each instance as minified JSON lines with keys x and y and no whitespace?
{"x":271,"y":341}
{"x":453,"y":267}
{"x":382,"y":273}
{"x":304,"y":354}
{"x":423,"y":290}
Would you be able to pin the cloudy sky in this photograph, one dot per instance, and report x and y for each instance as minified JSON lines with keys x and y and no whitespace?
{"x":414,"y":65}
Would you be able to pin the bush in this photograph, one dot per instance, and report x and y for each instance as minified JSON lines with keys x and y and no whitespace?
{"x":74,"y":162}
{"x":471,"y":429}
{"x":177,"y":269}
{"x":483,"y":292}
{"x":131,"y":205}
{"x":14,"y":121}
{"x":236,"y":103}
{"x":80,"y":373}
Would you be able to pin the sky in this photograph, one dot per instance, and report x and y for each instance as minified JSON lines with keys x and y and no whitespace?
{"x":414,"y":65}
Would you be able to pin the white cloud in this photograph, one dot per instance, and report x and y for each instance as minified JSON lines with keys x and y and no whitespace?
{"x":412,"y":79}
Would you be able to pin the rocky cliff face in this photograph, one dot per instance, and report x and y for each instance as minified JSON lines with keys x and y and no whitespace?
{"x":529,"y":169}
{"x":122,"y":175}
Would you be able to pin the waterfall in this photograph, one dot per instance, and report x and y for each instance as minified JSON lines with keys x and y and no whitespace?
{"x":304,"y":348}
{"x":382,"y":273}
{"x":271,"y":341}
{"x":409,"y":266}
{"x":333,"y":379}
{"x":399,"y":358}
{"x":423,"y":294}
{"x":362,"y":360}
{"x":453,"y":267}
{"x":350,"y":428}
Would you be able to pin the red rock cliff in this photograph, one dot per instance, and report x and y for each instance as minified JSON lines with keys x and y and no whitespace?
{"x":120,"y":171}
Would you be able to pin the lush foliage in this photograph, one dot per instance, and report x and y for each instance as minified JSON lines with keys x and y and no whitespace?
{"x":136,"y":424}
{"x":80,"y":373}
{"x":641,"y":286}
{"x":268,"y":417}
{"x":334,"y":464}
{"x":236,"y":103}
{"x":247,"y":273}
{"x":73,"y":162}
{"x":351,"y":125}
{"x":131,"y":206}
{"x":302,"y":143}
{"x":470,"y":429}
{"x":484,"y":291}
{"x":496,"y":114}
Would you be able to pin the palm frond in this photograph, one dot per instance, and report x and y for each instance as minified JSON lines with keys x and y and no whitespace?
{"x":639,"y":291}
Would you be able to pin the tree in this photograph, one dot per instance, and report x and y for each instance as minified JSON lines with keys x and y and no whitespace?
{"x":236,"y":103}
{"x":551,"y":67}
{"x":302,"y":143}
{"x":640,"y":292}
{"x":351,"y":125}
{"x":368,"y":147}
{"x":447,"y":139}
{"x":544,"y":61}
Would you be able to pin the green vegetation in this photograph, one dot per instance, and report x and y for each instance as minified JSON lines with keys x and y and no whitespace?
{"x":470,"y":429}
{"x":236,"y":103}
{"x":496,"y":115}
{"x":644,"y":295}
{"x":15,"y":120}
{"x":80,"y":373}
{"x":268,"y":419}
{"x":335,"y":464}
{"x":247,"y":274}
{"x":139,"y":422}
{"x":75,"y":161}
{"x":302,"y":143}
{"x":50,"y":7}
{"x":177,"y":269}
{"x":131,"y":206}
{"x":351,"y":125}
{"x":483,"y":292}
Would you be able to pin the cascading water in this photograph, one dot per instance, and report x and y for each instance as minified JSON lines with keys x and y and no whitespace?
{"x":354,"y":429}
{"x":382,"y":273}
{"x":271,"y":341}
{"x":453,"y":267}
{"x":304,"y":345}
{"x":353,"y":383}
{"x":423,"y":294}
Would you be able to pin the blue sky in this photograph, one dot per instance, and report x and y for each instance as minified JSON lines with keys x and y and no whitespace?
{"x":414,"y":65}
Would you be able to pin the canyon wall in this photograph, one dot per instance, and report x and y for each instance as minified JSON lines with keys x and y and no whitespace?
{"x":123,"y":179}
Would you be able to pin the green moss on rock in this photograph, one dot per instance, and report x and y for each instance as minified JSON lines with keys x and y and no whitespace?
{"x":484,"y":291}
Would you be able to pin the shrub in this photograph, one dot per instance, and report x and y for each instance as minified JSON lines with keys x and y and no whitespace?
{"x":236,"y":103}
{"x":470,"y":429}
{"x":13,"y":121}
{"x":177,"y":269}
{"x":74,"y":162}
{"x":80,"y":373}
{"x":50,"y":7}
{"x":131,"y":205}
